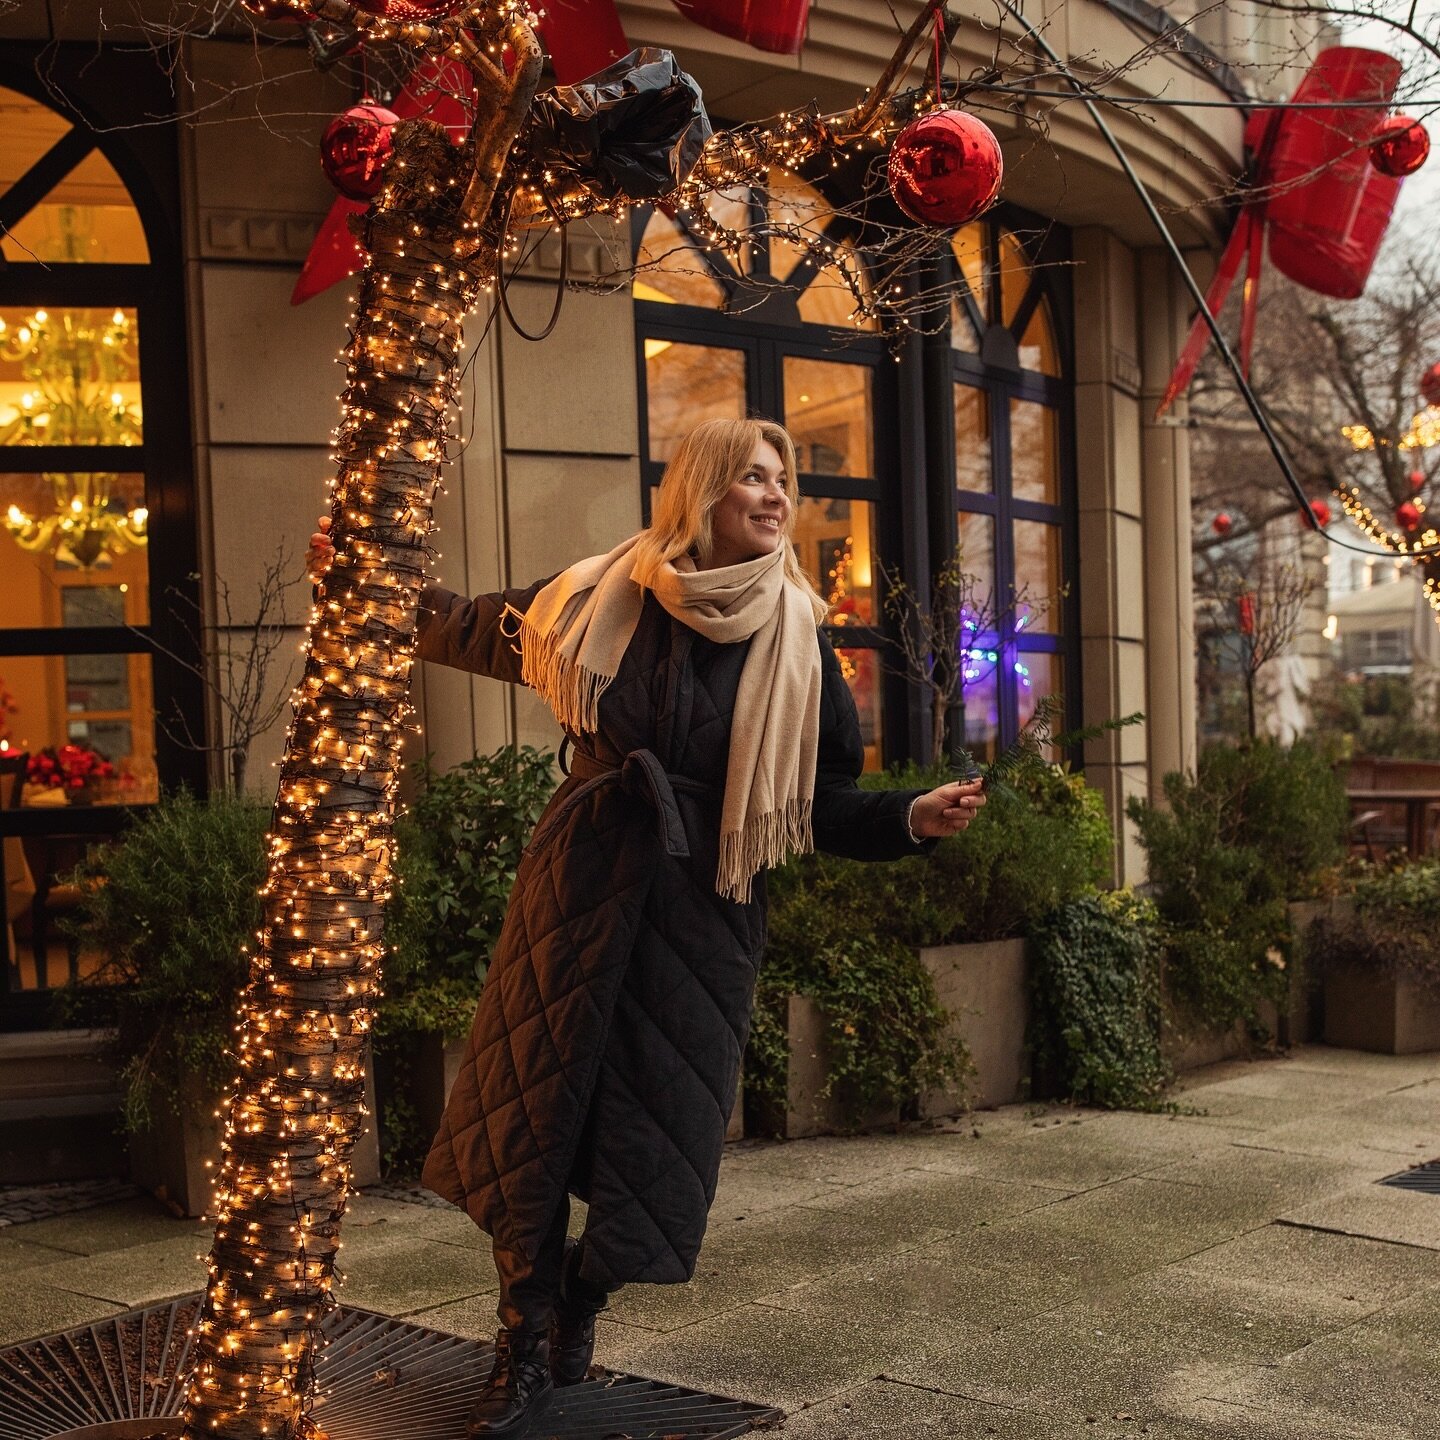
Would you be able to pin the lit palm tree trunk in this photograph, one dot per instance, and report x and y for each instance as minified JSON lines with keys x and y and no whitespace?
{"x":297,"y":1110}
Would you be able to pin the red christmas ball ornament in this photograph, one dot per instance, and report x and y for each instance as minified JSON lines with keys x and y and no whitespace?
{"x":1400,"y":146}
{"x":1407,"y":515}
{"x":355,"y":147}
{"x":1222,"y":524}
{"x":1320,"y":509}
{"x":421,"y":12}
{"x":1430,"y":384}
{"x":945,"y":168}
{"x":1417,"y":481}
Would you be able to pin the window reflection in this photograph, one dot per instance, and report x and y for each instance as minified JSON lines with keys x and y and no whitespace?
{"x":976,"y":553}
{"x":980,"y":702}
{"x":1038,"y":350}
{"x":1038,"y":583}
{"x":833,"y":544}
{"x":972,"y":439}
{"x":49,"y":545}
{"x":672,"y":269}
{"x":863,"y":674}
{"x":968,"y":246}
{"x":828,"y":412}
{"x":87,"y":217}
{"x":1037,"y":674}
{"x":686,"y":384}
{"x":1034,"y":452}
{"x":84,"y":727}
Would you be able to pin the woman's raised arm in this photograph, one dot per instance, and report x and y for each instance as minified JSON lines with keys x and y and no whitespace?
{"x":467,"y":634}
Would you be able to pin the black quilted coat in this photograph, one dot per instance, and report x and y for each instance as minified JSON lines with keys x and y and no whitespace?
{"x":606,"y":1047}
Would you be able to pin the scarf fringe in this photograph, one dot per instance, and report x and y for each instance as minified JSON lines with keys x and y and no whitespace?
{"x":766,"y":841}
{"x":570,"y":690}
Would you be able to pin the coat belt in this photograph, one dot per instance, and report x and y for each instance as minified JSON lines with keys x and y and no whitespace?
{"x":642,"y":775}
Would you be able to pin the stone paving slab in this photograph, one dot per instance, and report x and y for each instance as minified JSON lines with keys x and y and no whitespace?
{"x":29,"y":1307}
{"x":138,"y":1275}
{"x":1029,"y":1273}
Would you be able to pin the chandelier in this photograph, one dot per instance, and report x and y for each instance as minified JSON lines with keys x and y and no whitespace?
{"x":73,"y":364}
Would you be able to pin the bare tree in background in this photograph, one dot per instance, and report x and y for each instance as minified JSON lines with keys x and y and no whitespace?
{"x":1256,"y":618}
{"x":947,"y":642}
{"x":239,"y":676}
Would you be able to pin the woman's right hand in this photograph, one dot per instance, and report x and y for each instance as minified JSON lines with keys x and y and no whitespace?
{"x":321,"y":554}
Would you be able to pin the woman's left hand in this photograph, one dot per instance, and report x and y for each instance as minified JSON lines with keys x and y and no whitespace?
{"x":948,"y":809}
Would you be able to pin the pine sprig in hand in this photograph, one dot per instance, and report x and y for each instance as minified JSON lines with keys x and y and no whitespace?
{"x":1038,"y":733}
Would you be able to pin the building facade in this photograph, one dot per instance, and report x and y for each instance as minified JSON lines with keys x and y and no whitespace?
{"x":1018,"y":434}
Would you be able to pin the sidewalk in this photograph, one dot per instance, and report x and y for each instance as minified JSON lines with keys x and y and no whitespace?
{"x":1042,"y":1273}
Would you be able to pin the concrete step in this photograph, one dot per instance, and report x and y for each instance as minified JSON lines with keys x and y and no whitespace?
{"x":50,"y":1064}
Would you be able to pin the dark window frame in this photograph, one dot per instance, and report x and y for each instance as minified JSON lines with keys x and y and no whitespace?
{"x":102,"y":93}
{"x":989,"y":370}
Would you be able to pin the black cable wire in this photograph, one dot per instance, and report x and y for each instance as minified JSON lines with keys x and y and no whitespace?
{"x":1252,"y":402}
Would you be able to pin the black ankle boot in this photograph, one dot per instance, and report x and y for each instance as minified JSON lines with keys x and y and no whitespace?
{"x":519,"y":1388}
{"x":572,"y":1336}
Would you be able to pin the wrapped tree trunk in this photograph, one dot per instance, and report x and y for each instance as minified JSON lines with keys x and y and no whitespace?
{"x":297,"y":1108}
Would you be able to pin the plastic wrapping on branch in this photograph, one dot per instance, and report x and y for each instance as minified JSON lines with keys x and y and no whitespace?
{"x":634,"y":131}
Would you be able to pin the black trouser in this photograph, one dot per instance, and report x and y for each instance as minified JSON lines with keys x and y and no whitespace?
{"x":528,"y":1288}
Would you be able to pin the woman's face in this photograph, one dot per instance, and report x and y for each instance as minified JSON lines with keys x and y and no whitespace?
{"x":749,"y":519}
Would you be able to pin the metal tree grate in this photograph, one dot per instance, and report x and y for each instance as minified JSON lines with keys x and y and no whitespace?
{"x":1424,"y":1177}
{"x":379,"y":1379}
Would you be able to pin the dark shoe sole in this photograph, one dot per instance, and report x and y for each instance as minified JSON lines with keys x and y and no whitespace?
{"x":517,"y":1428}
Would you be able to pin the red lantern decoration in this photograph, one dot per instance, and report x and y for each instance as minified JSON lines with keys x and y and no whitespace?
{"x":355,"y":147}
{"x":1417,"y":481}
{"x":1407,"y":515}
{"x":1221,"y":524}
{"x":1320,"y":509}
{"x":422,"y":12}
{"x":1430,"y":385}
{"x":1246,"y":606}
{"x":945,"y":168}
{"x":1401,"y":146}
{"x":1325,"y":206}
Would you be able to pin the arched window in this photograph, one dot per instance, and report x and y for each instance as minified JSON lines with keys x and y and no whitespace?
{"x":96,"y":519}
{"x":1012,"y":476}
{"x":767,"y":332}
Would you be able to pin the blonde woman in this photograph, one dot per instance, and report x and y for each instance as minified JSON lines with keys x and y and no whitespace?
{"x":713,"y":735}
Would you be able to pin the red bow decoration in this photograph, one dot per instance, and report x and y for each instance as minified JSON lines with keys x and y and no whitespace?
{"x":1326,"y":207}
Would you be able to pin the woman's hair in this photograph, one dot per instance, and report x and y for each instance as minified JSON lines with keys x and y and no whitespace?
{"x":706,"y":463}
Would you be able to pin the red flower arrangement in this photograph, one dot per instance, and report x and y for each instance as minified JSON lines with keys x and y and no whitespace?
{"x":71,"y":766}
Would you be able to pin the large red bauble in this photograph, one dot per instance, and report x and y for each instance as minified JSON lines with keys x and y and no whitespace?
{"x":354,"y":149}
{"x":1320,"y":509}
{"x":1221,"y":524}
{"x":945,"y":168}
{"x":1430,"y":385}
{"x":1400,"y":146}
{"x":1407,"y":515}
{"x":422,"y":12}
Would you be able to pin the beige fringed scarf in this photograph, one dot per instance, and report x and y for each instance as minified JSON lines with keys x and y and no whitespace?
{"x":574,"y":635}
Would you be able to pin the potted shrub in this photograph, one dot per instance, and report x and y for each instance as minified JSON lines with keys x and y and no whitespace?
{"x":1379,"y":964}
{"x":171,"y":907}
{"x":903,"y":986}
{"x":1095,"y":1002}
{"x":457,"y":849}
{"x":1257,"y":826}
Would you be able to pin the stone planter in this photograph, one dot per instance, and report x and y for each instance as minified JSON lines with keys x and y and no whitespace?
{"x":807,"y":1111}
{"x":1388,"y":1013}
{"x":169,"y":1157}
{"x":985,"y":987}
{"x":1305,"y":1021}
